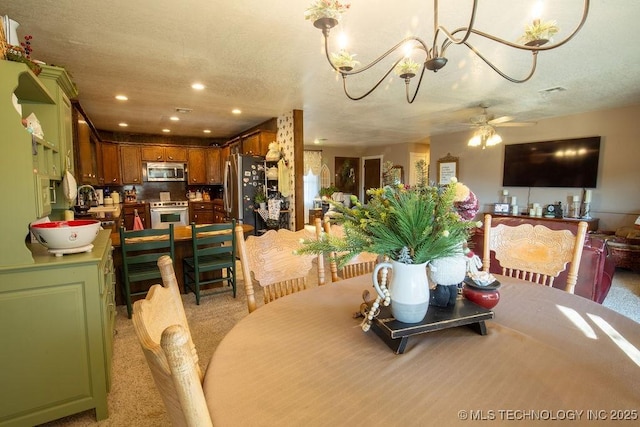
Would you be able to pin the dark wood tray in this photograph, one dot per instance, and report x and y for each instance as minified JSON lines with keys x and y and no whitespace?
{"x":464,"y":313}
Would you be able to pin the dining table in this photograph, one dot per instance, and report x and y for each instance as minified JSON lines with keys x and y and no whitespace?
{"x":548,"y":357}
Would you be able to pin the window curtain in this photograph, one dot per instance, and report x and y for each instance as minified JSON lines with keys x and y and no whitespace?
{"x":312,"y":167}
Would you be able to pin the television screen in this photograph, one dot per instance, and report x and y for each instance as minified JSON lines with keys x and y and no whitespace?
{"x":563,"y":163}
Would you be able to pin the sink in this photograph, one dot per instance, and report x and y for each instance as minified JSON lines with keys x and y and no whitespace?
{"x":103,"y":209}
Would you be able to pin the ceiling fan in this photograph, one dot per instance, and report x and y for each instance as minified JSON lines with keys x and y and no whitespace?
{"x":485,"y":134}
{"x":485,"y":119}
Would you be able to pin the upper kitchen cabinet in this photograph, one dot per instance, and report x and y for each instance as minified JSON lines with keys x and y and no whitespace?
{"x":197,"y":166}
{"x":110,"y":164}
{"x":214,"y":166}
{"x":86,"y":148}
{"x":161,"y":153}
{"x":21,"y":189}
{"x":131,"y":164}
{"x":257,"y":143}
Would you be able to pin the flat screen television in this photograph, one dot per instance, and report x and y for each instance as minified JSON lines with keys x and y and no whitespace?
{"x":560,"y":163}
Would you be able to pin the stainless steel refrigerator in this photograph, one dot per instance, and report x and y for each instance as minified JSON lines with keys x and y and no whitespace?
{"x":243,"y":175}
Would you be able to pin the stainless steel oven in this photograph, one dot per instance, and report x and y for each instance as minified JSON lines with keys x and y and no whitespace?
{"x":169,"y":212}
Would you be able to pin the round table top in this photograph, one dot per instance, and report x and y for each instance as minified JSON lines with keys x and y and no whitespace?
{"x":304,"y":360}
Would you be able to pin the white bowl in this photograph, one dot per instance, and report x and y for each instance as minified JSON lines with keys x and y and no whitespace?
{"x":66,"y":234}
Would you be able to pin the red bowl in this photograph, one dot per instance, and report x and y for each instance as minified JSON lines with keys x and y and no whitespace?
{"x":484,"y":298}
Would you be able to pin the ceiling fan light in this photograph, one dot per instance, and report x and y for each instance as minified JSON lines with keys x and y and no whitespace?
{"x":474,"y":141}
{"x":494,"y":139}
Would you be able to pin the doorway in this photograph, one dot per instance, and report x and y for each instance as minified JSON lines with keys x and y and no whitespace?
{"x":372,"y":173}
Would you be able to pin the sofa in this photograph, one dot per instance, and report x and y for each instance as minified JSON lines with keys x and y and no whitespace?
{"x":625,"y":247}
{"x":597,"y":266}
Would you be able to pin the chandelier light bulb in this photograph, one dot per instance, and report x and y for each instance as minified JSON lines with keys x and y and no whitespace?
{"x":343,"y":41}
{"x":536,"y":10}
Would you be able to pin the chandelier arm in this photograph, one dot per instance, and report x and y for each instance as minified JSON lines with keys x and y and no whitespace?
{"x":534,"y":63}
{"x":450,"y":39}
{"x":375,"y":61}
{"x":358,"y":98}
{"x":415,"y":93}
{"x":449,"y":36}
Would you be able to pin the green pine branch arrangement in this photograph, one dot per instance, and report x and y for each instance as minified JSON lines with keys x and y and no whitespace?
{"x":412,"y":225}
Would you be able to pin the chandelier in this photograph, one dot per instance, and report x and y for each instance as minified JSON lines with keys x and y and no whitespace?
{"x":485,"y":136}
{"x":325,"y":15}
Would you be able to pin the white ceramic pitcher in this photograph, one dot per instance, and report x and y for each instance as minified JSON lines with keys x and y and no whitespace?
{"x":409,"y":289}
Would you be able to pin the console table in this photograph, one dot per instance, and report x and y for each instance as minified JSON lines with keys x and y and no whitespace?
{"x":549,"y":221}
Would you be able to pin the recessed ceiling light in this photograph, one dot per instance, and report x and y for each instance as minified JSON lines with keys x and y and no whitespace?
{"x":197,"y":86}
{"x":166,"y":130}
{"x":206,"y":131}
{"x":122,"y":98}
{"x":236,"y":111}
{"x":123,"y":125}
{"x":174,"y":118}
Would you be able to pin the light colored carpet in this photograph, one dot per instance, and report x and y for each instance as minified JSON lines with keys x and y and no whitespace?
{"x":134,"y":401}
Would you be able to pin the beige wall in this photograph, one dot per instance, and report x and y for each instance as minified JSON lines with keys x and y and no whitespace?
{"x":616,"y":200}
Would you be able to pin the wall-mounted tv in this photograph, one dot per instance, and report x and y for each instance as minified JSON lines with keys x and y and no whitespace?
{"x":560,"y":163}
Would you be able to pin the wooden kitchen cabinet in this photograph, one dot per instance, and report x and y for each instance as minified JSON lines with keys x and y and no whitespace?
{"x":218,"y":213}
{"x":197,"y":166}
{"x":85,"y":148}
{"x":129,"y":213}
{"x":201,"y":212}
{"x":257,"y":143}
{"x":214,"y":167}
{"x":131,"y":164}
{"x":57,"y":318}
{"x":162,"y":153}
{"x":110,"y":159}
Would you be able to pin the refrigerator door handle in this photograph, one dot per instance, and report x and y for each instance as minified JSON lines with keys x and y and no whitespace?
{"x":227,"y":188}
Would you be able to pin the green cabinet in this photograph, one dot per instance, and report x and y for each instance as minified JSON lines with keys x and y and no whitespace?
{"x":56,"y":322}
{"x":56,"y":123}
{"x":21,"y":187}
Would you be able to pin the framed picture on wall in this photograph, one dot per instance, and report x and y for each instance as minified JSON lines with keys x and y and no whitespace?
{"x":447,"y":169}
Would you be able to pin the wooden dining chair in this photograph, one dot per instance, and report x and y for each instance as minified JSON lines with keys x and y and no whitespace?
{"x":141,"y":250}
{"x":534,"y":253}
{"x":163,"y":331}
{"x":361,"y":264}
{"x":214,"y":250}
{"x":272,"y":261}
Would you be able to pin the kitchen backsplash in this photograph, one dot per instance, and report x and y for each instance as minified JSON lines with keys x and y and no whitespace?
{"x":151,"y":190}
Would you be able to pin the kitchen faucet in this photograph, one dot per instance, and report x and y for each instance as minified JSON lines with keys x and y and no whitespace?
{"x":93,"y":196}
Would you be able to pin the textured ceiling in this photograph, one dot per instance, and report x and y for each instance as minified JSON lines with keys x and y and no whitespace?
{"x":264,"y":58}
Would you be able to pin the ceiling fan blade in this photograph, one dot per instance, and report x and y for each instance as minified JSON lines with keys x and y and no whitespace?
{"x":499,"y":120}
{"x":515,"y":124}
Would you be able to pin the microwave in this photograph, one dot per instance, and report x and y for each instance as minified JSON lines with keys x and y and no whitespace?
{"x":164,"y":171}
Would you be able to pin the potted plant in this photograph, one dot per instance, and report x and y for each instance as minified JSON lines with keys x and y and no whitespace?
{"x":539,"y":33}
{"x":260,"y":198}
{"x":325,"y":9}
{"x":406,"y":68}
{"x":344,"y":60}
{"x":327,"y":192}
{"x":410,"y":226}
